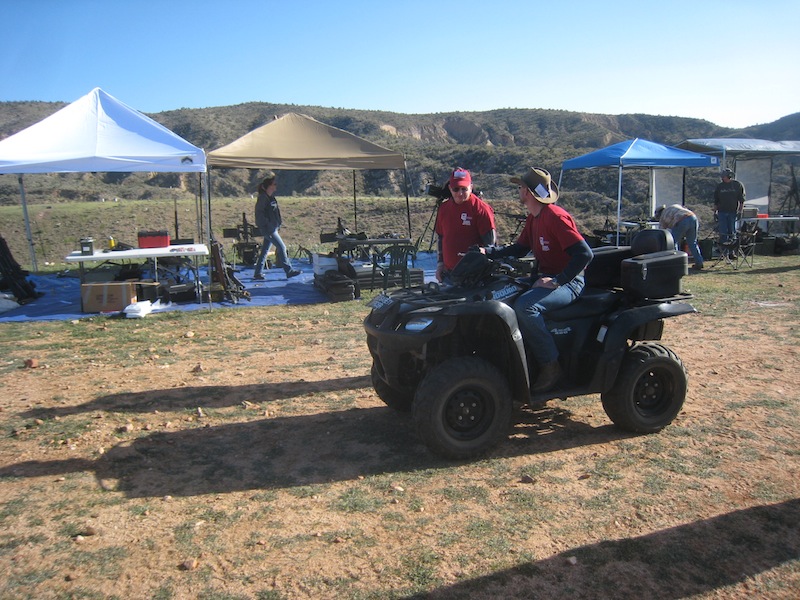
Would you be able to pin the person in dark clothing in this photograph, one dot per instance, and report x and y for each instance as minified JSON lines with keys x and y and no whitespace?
{"x":729,"y":198}
{"x":561,"y":253}
{"x":268,"y":221}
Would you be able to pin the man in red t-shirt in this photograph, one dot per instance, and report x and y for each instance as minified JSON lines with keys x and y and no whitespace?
{"x":561,"y":254}
{"x":462,"y":221}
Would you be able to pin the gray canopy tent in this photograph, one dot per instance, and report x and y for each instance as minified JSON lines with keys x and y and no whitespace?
{"x":752,"y":161}
{"x":637,"y":153}
{"x":97,"y":133}
{"x":299,"y":142}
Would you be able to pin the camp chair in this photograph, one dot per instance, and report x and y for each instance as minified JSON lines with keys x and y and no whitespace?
{"x":747,"y":243}
{"x":739,"y":250}
{"x":391,"y":265}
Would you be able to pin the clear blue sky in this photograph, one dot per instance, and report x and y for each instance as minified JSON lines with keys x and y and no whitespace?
{"x":735,"y":62}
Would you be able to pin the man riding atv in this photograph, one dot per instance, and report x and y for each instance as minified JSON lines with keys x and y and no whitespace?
{"x":461,"y":358}
{"x":561,"y":255}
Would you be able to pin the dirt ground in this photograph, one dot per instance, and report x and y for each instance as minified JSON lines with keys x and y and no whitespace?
{"x":243,"y":454}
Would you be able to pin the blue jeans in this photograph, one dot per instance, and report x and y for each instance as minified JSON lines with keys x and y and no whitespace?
{"x":687,"y":228}
{"x":531,"y":307}
{"x":726,"y":225}
{"x":273,"y":238}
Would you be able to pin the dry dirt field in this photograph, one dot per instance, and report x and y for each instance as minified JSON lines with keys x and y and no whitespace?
{"x":241,"y":453}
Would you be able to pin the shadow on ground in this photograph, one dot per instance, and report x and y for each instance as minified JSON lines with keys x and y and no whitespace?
{"x":678,"y":562}
{"x":284,"y":451}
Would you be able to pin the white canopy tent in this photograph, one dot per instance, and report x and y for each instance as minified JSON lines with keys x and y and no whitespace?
{"x":98,"y":133}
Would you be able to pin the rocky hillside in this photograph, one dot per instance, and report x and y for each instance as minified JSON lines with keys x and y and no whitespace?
{"x":493,"y":144}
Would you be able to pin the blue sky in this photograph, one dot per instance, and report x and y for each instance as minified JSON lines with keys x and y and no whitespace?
{"x":735,"y":63}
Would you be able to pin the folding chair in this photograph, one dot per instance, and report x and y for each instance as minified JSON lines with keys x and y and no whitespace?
{"x":747,"y":243}
{"x":391,"y":264}
{"x":739,"y":250}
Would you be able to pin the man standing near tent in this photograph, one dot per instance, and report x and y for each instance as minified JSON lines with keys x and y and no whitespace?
{"x":729,"y":198}
{"x":268,"y":220}
{"x":463,"y":220}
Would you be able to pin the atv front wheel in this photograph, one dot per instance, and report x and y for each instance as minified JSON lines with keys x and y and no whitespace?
{"x":462,"y":408}
{"x":649,"y":391}
{"x":393,"y":398}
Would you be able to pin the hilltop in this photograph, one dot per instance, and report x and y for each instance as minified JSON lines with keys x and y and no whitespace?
{"x":494,"y":144}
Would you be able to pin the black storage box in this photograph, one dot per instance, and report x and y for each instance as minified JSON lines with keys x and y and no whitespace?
{"x":648,"y":241}
{"x":655,"y":275}
{"x":606,"y":266}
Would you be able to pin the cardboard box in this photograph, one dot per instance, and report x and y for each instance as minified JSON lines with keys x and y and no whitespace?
{"x":111,"y":296}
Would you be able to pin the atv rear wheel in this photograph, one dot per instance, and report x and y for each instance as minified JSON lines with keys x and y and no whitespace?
{"x":649,"y":391}
{"x":393,"y":398}
{"x":462,"y":408}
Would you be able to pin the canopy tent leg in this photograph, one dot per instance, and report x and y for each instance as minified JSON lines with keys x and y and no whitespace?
{"x":619,"y":203}
{"x":355,"y":205}
{"x":31,"y":247}
{"x":408,"y":204}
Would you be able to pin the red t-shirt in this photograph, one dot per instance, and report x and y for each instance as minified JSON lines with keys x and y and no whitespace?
{"x":462,"y":225}
{"x":548,"y":236}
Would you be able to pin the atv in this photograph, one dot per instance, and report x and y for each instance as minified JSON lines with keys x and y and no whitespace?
{"x":454,"y":356}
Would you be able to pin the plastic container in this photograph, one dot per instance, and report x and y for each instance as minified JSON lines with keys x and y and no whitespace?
{"x":87,"y":246}
{"x":153,"y":239}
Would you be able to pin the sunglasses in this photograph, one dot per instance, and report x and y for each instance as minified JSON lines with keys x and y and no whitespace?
{"x":460,"y":189}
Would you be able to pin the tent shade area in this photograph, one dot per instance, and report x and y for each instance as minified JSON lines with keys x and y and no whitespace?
{"x":751,"y":160}
{"x":638,"y":153}
{"x":299,"y":142}
{"x":96,"y":133}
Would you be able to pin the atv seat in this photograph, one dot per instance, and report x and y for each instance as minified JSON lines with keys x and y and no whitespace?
{"x":591,"y":302}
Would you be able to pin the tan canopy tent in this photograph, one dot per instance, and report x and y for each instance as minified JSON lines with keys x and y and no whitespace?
{"x":298,"y":142}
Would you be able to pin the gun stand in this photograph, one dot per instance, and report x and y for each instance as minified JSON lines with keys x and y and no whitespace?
{"x":245,"y":248}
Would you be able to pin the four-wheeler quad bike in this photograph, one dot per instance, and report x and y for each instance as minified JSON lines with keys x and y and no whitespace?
{"x":456,"y":359}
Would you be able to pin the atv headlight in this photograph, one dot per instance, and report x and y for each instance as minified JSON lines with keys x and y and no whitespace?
{"x":418,"y":323}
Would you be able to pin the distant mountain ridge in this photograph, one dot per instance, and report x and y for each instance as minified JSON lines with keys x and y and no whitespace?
{"x":493,"y":144}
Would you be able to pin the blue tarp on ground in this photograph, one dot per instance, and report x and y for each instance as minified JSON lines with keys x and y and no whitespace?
{"x":61,"y":299}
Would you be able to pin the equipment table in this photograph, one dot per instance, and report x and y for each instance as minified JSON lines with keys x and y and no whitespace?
{"x":768,"y":220}
{"x":345,"y":245}
{"x":192,"y":250}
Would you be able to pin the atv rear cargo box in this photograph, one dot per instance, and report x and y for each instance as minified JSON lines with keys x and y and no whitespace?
{"x":655,"y":275}
{"x":606,"y":266}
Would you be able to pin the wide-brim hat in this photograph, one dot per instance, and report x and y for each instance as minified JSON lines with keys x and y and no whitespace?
{"x":540,"y":183}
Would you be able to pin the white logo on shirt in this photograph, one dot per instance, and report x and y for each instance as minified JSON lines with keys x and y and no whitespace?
{"x":544,"y":244}
{"x":465,"y":220}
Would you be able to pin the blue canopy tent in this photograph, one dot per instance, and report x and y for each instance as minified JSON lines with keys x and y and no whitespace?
{"x":637,"y":153}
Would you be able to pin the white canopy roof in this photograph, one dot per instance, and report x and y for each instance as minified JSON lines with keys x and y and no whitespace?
{"x":98,"y":133}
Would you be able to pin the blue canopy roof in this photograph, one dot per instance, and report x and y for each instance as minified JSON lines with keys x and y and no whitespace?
{"x":640,"y":153}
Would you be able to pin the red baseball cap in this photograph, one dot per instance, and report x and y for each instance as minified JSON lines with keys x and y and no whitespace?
{"x":460,"y":177}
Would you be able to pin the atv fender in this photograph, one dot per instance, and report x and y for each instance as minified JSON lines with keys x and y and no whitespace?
{"x":517,"y":370}
{"x":621,"y":329}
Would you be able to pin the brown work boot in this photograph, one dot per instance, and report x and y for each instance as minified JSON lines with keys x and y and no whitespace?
{"x":549,"y":374}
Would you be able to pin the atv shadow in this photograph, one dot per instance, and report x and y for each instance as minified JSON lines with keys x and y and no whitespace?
{"x":291,"y":451}
{"x":212,"y":396}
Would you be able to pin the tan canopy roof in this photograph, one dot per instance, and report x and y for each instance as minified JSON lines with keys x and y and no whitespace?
{"x":298,"y":142}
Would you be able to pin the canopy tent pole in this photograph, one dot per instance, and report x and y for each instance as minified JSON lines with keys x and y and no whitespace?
{"x":408,"y":204}
{"x":619,"y":203}
{"x":355,"y":205}
{"x":27,"y":225}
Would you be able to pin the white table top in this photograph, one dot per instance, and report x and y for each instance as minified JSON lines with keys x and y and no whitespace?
{"x":139,"y":253}
{"x":759,"y":219}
